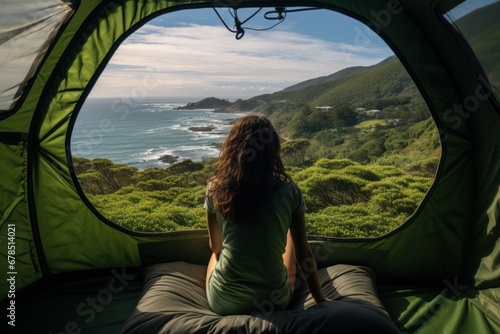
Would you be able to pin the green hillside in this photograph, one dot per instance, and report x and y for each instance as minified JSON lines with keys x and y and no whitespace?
{"x":337,"y":75}
{"x":380,"y":87}
{"x":384,"y":85}
{"x":402,"y":133}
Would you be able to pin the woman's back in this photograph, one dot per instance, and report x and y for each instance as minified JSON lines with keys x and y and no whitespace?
{"x":250,"y":269}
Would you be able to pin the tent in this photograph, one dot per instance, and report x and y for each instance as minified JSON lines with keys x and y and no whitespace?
{"x":439,"y":272}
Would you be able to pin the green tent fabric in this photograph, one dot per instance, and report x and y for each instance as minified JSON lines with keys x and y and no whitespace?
{"x":440,"y":270}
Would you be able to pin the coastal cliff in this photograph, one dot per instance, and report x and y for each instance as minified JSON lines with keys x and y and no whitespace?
{"x":207,"y":103}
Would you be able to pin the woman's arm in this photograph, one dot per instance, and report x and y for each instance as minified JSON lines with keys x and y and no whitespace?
{"x":305,"y":257}
{"x":215,"y":242}
{"x":214,"y":233}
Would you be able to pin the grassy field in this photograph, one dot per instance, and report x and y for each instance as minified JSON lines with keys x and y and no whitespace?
{"x":370,"y":125}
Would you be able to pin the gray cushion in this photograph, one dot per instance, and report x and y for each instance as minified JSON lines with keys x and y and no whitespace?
{"x":174,"y":301}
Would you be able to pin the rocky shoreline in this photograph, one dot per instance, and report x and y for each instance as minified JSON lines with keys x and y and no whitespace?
{"x":169,"y":158}
{"x":172,"y":159}
{"x":208,"y":128}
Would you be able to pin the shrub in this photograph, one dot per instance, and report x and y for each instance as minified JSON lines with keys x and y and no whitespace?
{"x":334,"y":163}
{"x":293,"y":152}
{"x":362,"y":172}
{"x":324,"y":191}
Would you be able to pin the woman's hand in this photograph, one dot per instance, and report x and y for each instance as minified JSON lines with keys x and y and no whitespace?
{"x":324,"y":299}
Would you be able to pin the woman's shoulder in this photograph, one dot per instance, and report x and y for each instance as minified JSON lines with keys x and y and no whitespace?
{"x":289,"y":185}
{"x":291,"y":192}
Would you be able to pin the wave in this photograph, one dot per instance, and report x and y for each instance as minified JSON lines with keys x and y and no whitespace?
{"x":157,"y":130}
{"x":153,"y":154}
{"x":205,"y":136}
{"x":192,"y":148}
{"x":151,"y":157}
{"x":157,"y":107}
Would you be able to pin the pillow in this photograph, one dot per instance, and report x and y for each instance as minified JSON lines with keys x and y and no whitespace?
{"x":174,"y":301}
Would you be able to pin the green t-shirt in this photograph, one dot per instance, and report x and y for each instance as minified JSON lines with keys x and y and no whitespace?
{"x":250,"y":275}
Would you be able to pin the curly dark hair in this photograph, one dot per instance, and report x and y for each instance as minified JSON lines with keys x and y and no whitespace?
{"x":249,"y":168}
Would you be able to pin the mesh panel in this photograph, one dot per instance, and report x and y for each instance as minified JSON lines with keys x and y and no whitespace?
{"x":26,"y":28}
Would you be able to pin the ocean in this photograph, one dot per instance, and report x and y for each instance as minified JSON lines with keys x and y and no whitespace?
{"x":138,"y":134}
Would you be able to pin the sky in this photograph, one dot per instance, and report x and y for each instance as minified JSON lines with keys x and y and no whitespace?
{"x":190,"y":54}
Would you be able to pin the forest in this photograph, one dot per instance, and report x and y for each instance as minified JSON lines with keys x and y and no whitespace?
{"x":361,"y":176}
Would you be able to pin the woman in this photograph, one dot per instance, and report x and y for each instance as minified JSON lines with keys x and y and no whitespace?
{"x":256,"y":225}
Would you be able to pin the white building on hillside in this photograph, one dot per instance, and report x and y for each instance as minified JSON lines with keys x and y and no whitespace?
{"x":324,"y":108}
{"x":374,"y":113}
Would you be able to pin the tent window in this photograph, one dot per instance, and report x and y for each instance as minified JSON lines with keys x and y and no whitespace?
{"x":357,"y":135}
{"x":25,"y":32}
{"x":477,"y":22}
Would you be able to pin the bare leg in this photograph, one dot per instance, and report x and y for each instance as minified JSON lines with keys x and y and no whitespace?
{"x":211,"y":265}
{"x":289,"y":259}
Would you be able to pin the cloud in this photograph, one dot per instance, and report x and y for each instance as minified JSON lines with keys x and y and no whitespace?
{"x":204,"y":60}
